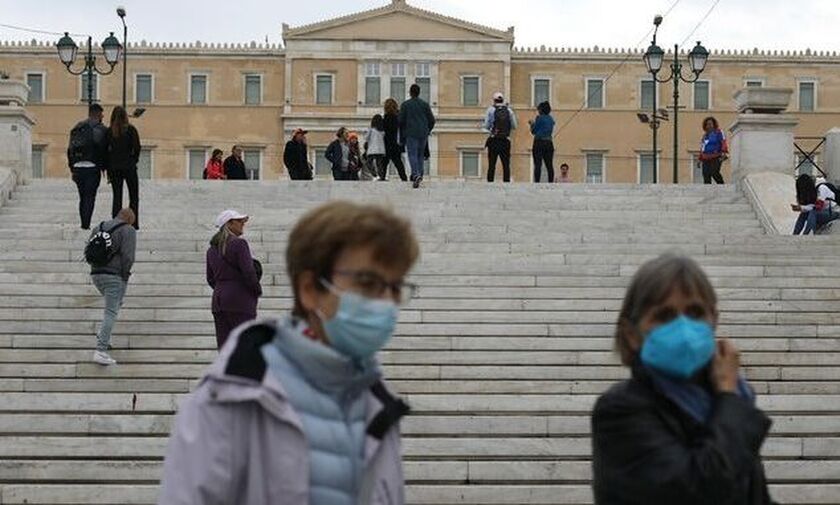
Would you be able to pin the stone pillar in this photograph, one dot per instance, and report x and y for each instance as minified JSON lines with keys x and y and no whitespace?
{"x":15,"y":129}
{"x":831,"y":158}
{"x":762,"y":136}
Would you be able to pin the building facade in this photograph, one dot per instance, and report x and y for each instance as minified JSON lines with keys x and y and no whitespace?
{"x":338,"y":72}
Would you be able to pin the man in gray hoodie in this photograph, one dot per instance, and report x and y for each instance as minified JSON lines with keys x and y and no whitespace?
{"x":111,"y":279}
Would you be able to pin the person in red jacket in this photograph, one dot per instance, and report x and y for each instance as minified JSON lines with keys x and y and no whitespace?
{"x":214,"y":168}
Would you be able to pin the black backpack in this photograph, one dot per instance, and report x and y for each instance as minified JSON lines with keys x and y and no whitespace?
{"x":82,"y":145}
{"x":100,"y":247}
{"x":501,"y":121}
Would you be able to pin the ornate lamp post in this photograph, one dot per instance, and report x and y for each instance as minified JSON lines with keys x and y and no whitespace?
{"x":121,"y":14}
{"x":67,"y":50}
{"x":654,"y":56}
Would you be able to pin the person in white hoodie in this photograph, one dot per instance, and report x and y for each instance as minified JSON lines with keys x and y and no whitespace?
{"x":376,"y":160}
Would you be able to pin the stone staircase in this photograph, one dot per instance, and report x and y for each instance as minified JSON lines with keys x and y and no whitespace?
{"x":501,"y":355}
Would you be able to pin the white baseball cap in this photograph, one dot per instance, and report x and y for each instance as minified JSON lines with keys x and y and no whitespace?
{"x":498,"y":96}
{"x":227,"y":215}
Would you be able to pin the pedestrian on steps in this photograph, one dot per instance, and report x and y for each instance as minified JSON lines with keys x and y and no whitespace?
{"x":295,"y":411}
{"x":564,"y":174}
{"x":542,"y":128}
{"x":714,"y":150}
{"x":232,"y":273}
{"x":234,"y":166}
{"x":123,"y":155}
{"x":393,"y":147}
{"x":87,"y":157}
{"x":215,"y":169}
{"x":499,"y":121}
{"x":376,"y":161}
{"x":295,"y":157}
{"x":814,"y":205}
{"x":416,"y":124}
{"x":685,"y":428}
{"x":338,"y":154}
{"x":111,"y":274}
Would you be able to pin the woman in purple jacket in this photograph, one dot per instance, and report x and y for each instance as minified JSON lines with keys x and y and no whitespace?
{"x":232,"y":275}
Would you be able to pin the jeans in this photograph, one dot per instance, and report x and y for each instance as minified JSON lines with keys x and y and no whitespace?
{"x":415,"y":149}
{"x":130,"y":178}
{"x":711,"y":170}
{"x":812,"y":220}
{"x":543,"y":152}
{"x":87,"y":182}
{"x":498,"y":147}
{"x":112,"y":287}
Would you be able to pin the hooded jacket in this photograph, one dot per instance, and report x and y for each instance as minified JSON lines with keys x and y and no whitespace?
{"x":239,"y":440}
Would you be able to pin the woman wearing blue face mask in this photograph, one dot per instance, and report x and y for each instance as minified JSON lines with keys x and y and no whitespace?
{"x":684,"y":429}
{"x":295,"y":410}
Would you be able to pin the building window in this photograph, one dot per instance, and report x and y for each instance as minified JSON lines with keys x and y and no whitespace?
{"x":398,"y":82}
{"x":807,"y":96}
{"x":423,"y":78}
{"x":196,"y":159}
{"x":702,"y":100}
{"x":323,"y":167}
{"x":646,"y":168}
{"x":253,"y":89}
{"x":253,"y":163}
{"x":594,"y":168}
{"x":144,"y":164}
{"x":323,"y":89}
{"x":35,"y":81}
{"x":373,"y":83}
{"x":84,"y":87}
{"x":470,"y":86}
{"x":594,"y":93}
{"x":541,"y":91}
{"x":198,"y":89}
{"x":38,"y":162}
{"x":470,"y":164}
{"x":647,"y":94}
{"x":754,"y":83}
{"x":143,"y":88}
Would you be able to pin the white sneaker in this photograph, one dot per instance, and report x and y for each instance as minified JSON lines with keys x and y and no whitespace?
{"x":103,"y":358}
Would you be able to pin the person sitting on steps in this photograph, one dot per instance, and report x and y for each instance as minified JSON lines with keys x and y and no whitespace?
{"x":813,"y":204}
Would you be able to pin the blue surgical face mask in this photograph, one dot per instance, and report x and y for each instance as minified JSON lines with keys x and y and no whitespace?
{"x":679,"y":348}
{"x":361,"y":326}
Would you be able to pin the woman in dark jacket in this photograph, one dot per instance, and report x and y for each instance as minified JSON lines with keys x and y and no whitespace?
{"x":684,"y":429}
{"x":338,"y":154}
{"x":231,"y":272}
{"x":393,"y":151}
{"x":295,"y":157}
{"x":123,"y":155}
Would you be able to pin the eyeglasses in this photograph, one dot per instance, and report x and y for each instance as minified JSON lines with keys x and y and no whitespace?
{"x":373,"y":285}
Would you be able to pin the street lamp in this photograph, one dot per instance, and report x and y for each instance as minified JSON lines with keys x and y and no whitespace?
{"x":67,"y":51}
{"x":653,"y":61}
{"x":121,"y":14}
{"x":697,"y":59}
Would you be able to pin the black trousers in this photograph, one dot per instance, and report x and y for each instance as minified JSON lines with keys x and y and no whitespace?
{"x":130,"y":178}
{"x":498,"y":147}
{"x":711,"y":170}
{"x":394,"y":155}
{"x":87,"y":182}
{"x":543,"y":151}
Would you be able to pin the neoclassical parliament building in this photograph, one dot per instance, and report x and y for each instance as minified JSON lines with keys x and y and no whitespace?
{"x":338,"y":72}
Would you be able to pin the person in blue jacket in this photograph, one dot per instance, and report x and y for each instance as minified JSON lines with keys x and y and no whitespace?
{"x":542,"y":128}
{"x":713,"y":150}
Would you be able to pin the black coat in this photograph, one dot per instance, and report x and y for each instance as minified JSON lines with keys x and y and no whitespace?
{"x":297,"y":161}
{"x":124,"y":151}
{"x":647,"y":451}
{"x":235,"y":168}
{"x":392,"y":132}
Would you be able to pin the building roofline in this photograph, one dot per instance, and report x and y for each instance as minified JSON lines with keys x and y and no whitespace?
{"x":599,"y":53}
{"x":143,"y":47}
{"x":397,"y":6}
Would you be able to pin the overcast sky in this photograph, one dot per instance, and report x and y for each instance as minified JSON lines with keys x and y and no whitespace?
{"x":742,"y":24}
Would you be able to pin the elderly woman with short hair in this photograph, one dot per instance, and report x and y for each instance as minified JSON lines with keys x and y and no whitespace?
{"x":684,"y":429}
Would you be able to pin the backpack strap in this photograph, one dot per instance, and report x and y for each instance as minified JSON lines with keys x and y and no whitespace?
{"x":114,"y":228}
{"x":393,"y":409}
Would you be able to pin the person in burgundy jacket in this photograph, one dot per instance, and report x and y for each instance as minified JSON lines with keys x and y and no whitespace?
{"x":232,"y":274}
